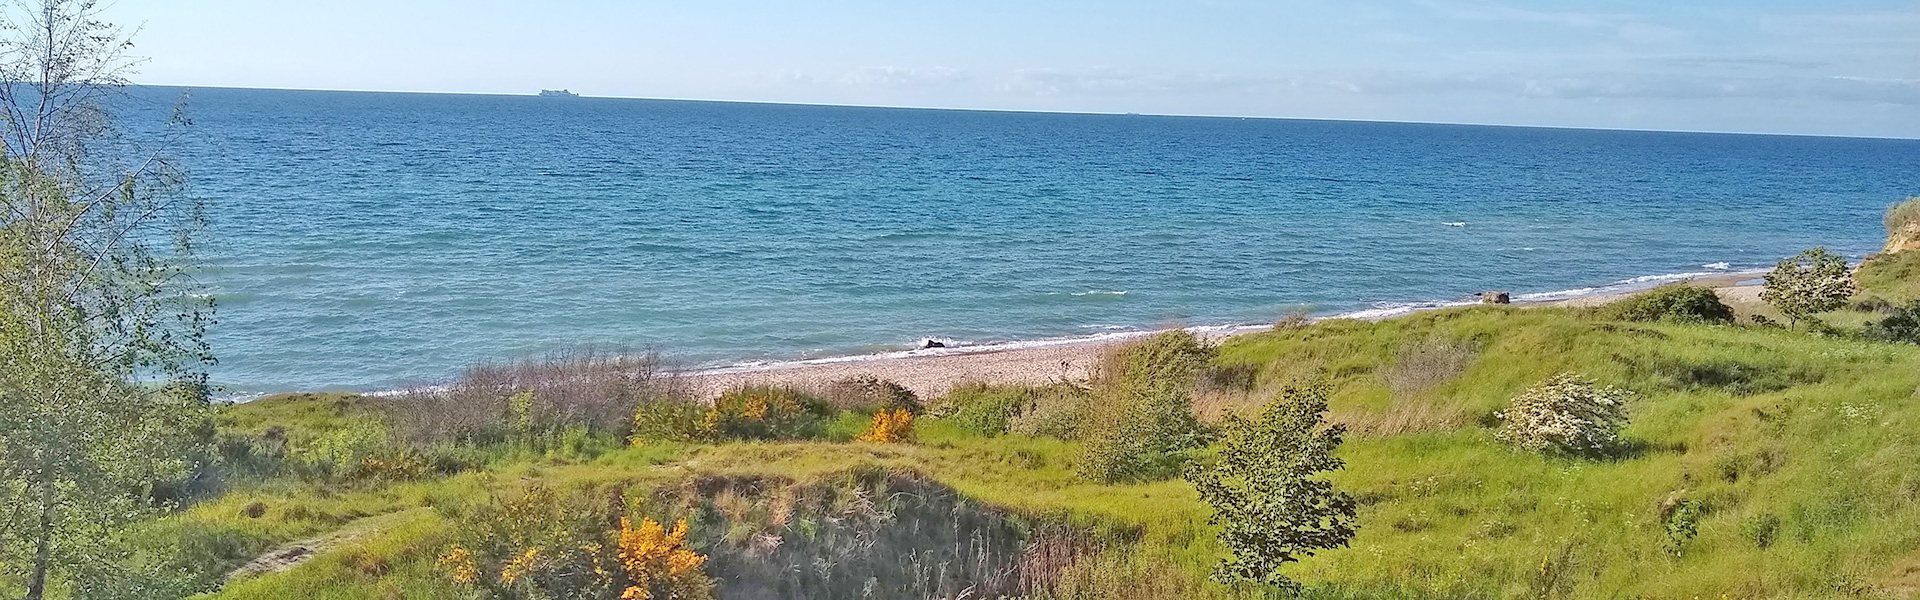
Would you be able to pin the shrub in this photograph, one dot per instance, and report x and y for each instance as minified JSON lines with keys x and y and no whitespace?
{"x":1812,"y":282}
{"x":668,"y":420}
{"x":1873,"y":304}
{"x":760,"y":412}
{"x":399,"y":465}
{"x":1901,"y":325}
{"x":361,"y":449}
{"x":535,"y":400}
{"x":537,"y":544}
{"x":1682,"y":524}
{"x":868,"y":393}
{"x":1268,"y":492}
{"x":1567,"y":415}
{"x":1058,"y":411}
{"x":1144,"y":426}
{"x":753,"y":412}
{"x":1678,"y":303}
{"x":1151,"y":442}
{"x":889,"y":427}
{"x":984,"y":409}
{"x":659,"y":565}
{"x":1762,"y":530}
{"x":1170,"y":360}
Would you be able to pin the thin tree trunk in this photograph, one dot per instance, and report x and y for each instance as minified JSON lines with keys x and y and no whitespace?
{"x":42,"y":554}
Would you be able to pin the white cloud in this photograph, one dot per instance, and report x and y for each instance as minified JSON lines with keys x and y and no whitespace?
{"x":899,"y":78}
{"x":1599,"y":85}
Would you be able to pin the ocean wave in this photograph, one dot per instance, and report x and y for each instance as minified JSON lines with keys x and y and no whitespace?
{"x":1387,"y":310}
{"x":1100,"y":293}
{"x":1630,"y":284}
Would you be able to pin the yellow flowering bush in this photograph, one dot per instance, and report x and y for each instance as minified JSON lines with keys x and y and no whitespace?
{"x":459,"y":565}
{"x":744,"y":413}
{"x":392,"y":466}
{"x":537,"y":544}
{"x":889,"y":427}
{"x":658,"y":565}
{"x":519,"y":566}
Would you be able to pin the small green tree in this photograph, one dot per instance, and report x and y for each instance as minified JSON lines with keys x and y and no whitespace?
{"x":101,"y":346}
{"x":1810,"y":283}
{"x":1269,"y":498}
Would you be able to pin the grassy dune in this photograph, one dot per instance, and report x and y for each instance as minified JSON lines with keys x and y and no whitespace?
{"x":1760,"y":462}
{"x":1798,"y":448}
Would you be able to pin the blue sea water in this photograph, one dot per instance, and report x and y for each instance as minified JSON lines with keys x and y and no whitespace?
{"x":371,"y":240}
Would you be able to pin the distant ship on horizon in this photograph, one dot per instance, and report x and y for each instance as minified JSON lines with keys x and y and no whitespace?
{"x":560,"y":93}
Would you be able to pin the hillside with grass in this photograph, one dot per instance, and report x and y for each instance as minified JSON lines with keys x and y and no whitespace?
{"x":1893,"y":275}
{"x":1724,"y":455}
{"x":1760,"y":462}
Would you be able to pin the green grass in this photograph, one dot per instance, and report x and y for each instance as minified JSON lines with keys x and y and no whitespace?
{"x":1753,"y":423}
{"x":1893,"y":277}
{"x":302,"y":416}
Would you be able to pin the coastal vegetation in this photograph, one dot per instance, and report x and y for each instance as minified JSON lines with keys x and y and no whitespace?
{"x":1269,"y":498}
{"x":102,"y":396}
{"x":1675,"y":444}
{"x":1810,"y":283}
{"x":1677,"y":303}
{"x":1637,"y":449}
{"x":1893,"y":276}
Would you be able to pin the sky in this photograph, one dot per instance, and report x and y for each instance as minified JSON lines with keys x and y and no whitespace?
{"x":1828,"y":67}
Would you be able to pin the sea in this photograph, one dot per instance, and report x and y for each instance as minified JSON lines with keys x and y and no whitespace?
{"x":369,"y":241}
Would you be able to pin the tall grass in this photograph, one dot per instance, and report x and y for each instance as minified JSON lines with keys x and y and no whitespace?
{"x":590,"y":389}
{"x":1902,"y":215}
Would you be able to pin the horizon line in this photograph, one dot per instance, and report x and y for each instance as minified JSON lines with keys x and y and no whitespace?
{"x":1048,"y":112}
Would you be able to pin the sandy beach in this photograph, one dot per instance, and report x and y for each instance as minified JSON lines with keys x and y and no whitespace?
{"x":933,"y":374}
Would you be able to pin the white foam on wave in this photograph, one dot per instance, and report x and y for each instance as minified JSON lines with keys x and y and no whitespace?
{"x":1632,"y":284}
{"x":1101,"y":293}
{"x":1719,"y":266}
{"x":1454,"y":224}
{"x":1557,"y":294}
{"x":1388,"y":310}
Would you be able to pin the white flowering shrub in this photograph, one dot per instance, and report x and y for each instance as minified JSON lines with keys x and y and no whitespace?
{"x":1567,"y":415}
{"x":1810,"y":283}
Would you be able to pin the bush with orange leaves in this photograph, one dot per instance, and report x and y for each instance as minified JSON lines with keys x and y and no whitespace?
{"x":536,"y":544}
{"x":889,"y":427}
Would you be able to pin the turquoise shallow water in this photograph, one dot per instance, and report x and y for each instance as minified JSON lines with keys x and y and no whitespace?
{"x":369,"y":240}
